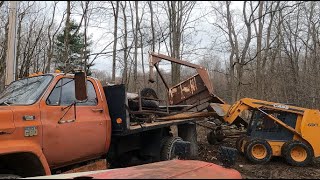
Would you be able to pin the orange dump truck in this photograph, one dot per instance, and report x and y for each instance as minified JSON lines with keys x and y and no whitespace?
{"x":54,"y":122}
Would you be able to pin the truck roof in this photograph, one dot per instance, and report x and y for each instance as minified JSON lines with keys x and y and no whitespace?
{"x":57,"y":74}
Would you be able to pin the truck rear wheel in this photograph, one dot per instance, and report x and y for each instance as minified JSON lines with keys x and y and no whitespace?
{"x":168,"y":147}
{"x":258,"y":151}
{"x":297,"y":153}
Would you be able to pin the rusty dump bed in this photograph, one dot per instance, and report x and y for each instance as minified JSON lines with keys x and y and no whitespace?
{"x":186,"y":101}
{"x":196,"y":91}
{"x":173,"y":169}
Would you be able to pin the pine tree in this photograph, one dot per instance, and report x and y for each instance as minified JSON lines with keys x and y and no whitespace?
{"x":76,"y":50}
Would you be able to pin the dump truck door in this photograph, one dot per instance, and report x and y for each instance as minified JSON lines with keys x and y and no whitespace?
{"x":7,"y":124}
{"x":72,"y":133}
{"x":28,"y":123}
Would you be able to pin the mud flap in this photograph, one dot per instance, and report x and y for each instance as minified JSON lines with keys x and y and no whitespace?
{"x":182,"y":149}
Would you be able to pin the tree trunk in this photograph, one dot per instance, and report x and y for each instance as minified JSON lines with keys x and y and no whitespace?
{"x":115,"y":37}
{"x":259,"y":90}
{"x":125,"y":48}
{"x":136,"y":39}
{"x":66,"y":39}
{"x":3,"y":58}
{"x":231,"y":56}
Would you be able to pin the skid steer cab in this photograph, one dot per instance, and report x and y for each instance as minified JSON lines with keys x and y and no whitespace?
{"x":274,"y":129}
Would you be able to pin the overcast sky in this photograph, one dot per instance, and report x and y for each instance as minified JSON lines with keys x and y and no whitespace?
{"x":203,"y":38}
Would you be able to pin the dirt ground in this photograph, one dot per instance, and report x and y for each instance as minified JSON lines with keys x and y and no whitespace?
{"x":275,"y":169}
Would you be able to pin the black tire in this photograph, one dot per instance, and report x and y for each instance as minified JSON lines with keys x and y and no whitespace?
{"x":284,"y":147}
{"x":211,"y":138}
{"x":167,"y":149}
{"x":306,"y":154}
{"x":134,"y":104}
{"x":148,"y":92}
{"x":215,"y":136}
{"x":9,"y":176}
{"x":258,"y":158}
{"x":149,"y":103}
{"x":239,"y":142}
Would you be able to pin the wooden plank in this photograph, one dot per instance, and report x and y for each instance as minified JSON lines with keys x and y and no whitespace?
{"x":188,"y":115}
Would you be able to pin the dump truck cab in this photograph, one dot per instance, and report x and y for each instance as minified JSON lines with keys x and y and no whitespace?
{"x":42,"y":128}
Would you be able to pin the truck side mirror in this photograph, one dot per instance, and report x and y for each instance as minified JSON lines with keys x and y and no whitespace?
{"x":80,"y":81}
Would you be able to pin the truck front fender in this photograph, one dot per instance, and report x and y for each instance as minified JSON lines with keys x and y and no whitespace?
{"x":11,"y":147}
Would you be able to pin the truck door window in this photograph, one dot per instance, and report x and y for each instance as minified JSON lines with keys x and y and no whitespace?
{"x":68,"y":95}
{"x":54,"y":97}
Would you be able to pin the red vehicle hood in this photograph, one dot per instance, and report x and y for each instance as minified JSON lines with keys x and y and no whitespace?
{"x":173,"y":169}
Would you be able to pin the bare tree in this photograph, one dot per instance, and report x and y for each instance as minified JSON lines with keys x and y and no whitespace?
{"x":125,"y":48}
{"x":51,"y":37}
{"x":136,"y":39}
{"x":115,"y":38}
{"x":178,"y":14}
{"x":66,"y":38}
{"x":1,"y":3}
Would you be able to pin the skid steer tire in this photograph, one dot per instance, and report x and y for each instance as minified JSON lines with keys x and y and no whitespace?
{"x":258,"y":151}
{"x":239,"y":143}
{"x":297,"y":153}
{"x":167,"y":148}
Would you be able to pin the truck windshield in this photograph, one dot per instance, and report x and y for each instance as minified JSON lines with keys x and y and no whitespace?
{"x":25,"y":91}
